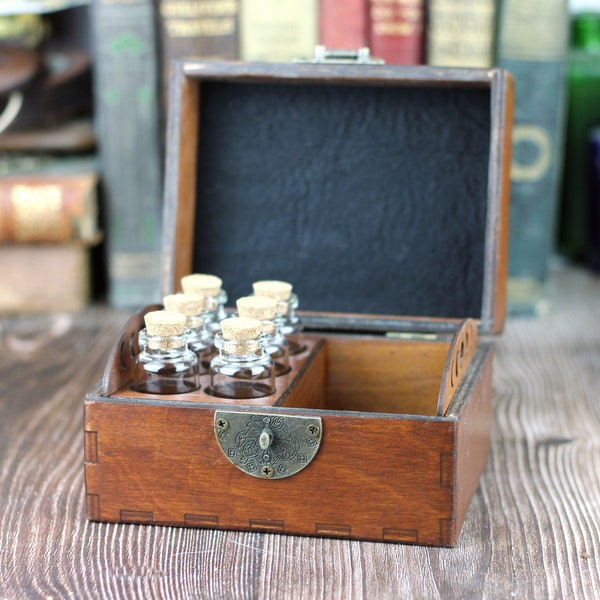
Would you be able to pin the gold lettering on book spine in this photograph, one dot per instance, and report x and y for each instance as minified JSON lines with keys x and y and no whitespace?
{"x":37,"y":212}
{"x":186,"y":10}
{"x":397,"y":17}
{"x":192,"y":19}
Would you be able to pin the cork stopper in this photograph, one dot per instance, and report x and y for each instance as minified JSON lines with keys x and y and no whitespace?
{"x":239,"y":335}
{"x":164,"y":323}
{"x":189,"y":305}
{"x":280,"y":290}
{"x":201,"y":283}
{"x":240,"y":329}
{"x":257,"y":307}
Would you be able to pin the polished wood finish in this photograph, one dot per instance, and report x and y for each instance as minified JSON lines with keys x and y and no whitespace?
{"x":531,"y":530}
{"x":405,"y":420}
{"x":385,"y":477}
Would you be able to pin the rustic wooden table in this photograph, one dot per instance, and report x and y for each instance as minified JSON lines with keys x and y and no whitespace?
{"x":533,"y":528}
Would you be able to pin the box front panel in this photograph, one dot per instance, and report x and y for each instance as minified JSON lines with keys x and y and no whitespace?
{"x":374,"y":477}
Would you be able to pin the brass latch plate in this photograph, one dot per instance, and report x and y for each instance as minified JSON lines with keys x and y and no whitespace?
{"x":268,"y":446}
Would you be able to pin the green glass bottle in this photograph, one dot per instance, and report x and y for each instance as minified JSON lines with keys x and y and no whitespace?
{"x":583,"y":114}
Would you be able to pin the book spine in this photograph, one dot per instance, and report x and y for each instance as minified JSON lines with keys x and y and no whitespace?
{"x":396,"y":30}
{"x":532,"y":46}
{"x":205,"y":29}
{"x":344,"y":25}
{"x":49,"y":209}
{"x":38,"y":278}
{"x":461,"y":33}
{"x":278,"y":30}
{"x":128,"y":129}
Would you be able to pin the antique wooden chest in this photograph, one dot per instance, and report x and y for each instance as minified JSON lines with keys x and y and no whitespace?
{"x":381,"y":192}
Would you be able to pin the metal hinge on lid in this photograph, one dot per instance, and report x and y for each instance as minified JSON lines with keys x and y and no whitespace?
{"x":323,"y":55}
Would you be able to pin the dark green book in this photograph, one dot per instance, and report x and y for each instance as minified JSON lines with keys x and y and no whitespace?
{"x":128,"y":128}
{"x":532,"y":45}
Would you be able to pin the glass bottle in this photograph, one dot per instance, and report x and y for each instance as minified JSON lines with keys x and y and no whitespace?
{"x":200,"y":336}
{"x":287,"y":306}
{"x":583,"y":114}
{"x":594,"y":199}
{"x":211,"y":287}
{"x":276,"y":345}
{"x":165,"y":364}
{"x":241,"y":370}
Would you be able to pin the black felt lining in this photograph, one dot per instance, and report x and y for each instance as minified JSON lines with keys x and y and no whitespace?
{"x":368,"y":199}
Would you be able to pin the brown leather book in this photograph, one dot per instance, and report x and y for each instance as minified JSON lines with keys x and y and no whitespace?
{"x":18,"y":66}
{"x":37,"y":278}
{"x":76,"y":135}
{"x":49,"y":208}
{"x":61,"y":91}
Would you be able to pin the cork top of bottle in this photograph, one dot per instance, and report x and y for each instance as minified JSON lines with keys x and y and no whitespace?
{"x":240,"y":328}
{"x":201,"y":283}
{"x":280,"y":290}
{"x":257,"y":307}
{"x":164,"y":323}
{"x":189,"y":305}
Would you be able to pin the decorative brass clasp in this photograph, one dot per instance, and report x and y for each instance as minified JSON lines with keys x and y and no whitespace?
{"x":268,"y":446}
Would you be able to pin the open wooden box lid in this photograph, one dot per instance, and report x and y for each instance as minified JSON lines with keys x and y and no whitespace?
{"x":380,"y":192}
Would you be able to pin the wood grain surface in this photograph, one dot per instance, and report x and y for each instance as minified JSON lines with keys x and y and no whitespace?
{"x":532,"y":530}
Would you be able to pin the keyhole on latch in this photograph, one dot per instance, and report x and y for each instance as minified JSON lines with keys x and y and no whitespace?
{"x":266,"y":438}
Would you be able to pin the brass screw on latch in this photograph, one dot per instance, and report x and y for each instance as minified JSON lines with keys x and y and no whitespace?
{"x":313,"y":430}
{"x":222,"y":424}
{"x":267,"y":471}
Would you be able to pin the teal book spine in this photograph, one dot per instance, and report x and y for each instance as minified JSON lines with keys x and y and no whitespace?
{"x":128,"y":128}
{"x":532,"y":45}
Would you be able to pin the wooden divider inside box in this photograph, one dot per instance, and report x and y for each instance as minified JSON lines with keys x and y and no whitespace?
{"x":338,"y":372}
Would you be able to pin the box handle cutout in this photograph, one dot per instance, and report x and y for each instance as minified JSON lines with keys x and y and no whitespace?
{"x":119,"y":368}
{"x":462,"y":348}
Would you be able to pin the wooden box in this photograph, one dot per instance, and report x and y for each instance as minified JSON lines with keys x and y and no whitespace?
{"x":381,"y":192}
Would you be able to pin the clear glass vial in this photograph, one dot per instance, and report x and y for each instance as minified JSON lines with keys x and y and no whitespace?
{"x":286,"y":308}
{"x":198,"y":318}
{"x":241,"y":370}
{"x":211,"y":287}
{"x":276,"y":345}
{"x":165,"y":364}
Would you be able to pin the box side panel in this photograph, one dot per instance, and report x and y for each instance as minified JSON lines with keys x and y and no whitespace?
{"x":473,"y":434}
{"x":378,"y":478}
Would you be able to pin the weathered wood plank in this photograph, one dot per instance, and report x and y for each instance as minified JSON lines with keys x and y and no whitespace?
{"x":532,"y":530}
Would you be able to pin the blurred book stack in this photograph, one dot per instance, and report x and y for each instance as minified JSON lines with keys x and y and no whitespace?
{"x":48,"y":176}
{"x":128,"y":123}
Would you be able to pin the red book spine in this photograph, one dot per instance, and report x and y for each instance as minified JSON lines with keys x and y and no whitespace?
{"x":397,"y":30}
{"x":344,"y":24}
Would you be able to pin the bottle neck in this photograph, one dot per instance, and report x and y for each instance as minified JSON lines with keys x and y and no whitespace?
{"x":240,"y":350}
{"x":162,"y":345}
{"x":586,"y":32}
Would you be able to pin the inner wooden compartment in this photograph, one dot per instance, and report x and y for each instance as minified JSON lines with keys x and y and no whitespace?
{"x":342,"y":372}
{"x":379,"y":374}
